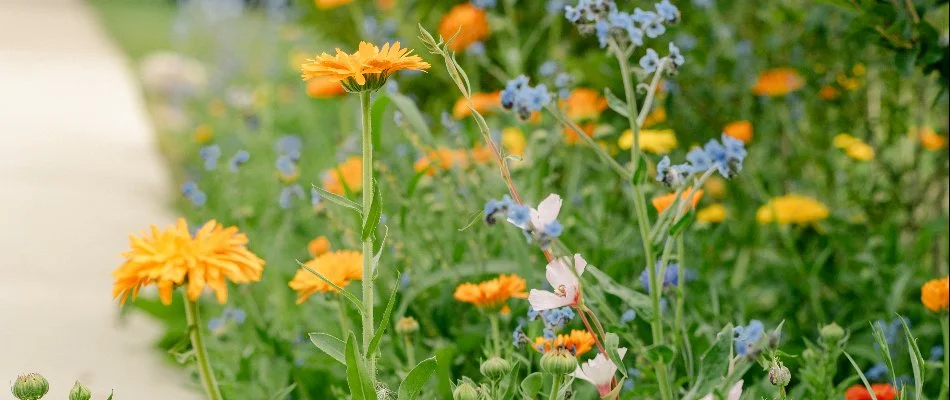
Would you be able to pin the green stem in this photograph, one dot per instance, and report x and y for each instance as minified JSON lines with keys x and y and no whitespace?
{"x":344,"y":321}
{"x":680,"y":293}
{"x":410,"y":350}
{"x":945,"y":325}
{"x":368,"y":323}
{"x":495,"y":335}
{"x":205,"y":372}
{"x":555,"y":386}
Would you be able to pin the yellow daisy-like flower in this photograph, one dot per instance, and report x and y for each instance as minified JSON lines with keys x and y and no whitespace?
{"x":843,"y":140}
{"x":514,"y":141}
{"x":792,"y":209}
{"x":173,"y":257}
{"x":661,"y":203}
{"x":778,"y":82}
{"x":366,"y":69}
{"x":318,"y":246}
{"x":577,"y":342}
{"x":464,"y":24}
{"x":350,"y":172}
{"x":328,"y":4}
{"x":493,"y":293}
{"x":484,"y":103}
{"x":660,"y":141}
{"x":935,"y":294}
{"x":713,"y":214}
{"x":741,"y":130}
{"x":339,"y":267}
{"x":203,"y":134}
{"x":853,"y":147}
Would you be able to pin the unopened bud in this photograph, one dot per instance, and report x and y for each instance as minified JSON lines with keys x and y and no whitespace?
{"x":832,"y":333}
{"x":30,"y":387}
{"x":407,"y":326}
{"x":779,"y":375}
{"x":558,"y":362}
{"x":465,"y":391}
{"x":79,"y":392}
{"x":495,"y":368}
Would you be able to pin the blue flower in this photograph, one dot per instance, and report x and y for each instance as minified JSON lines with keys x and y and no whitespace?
{"x":936,"y":353}
{"x":215,"y":324}
{"x":548,"y":68}
{"x":675,"y":54}
{"x":878,"y":372}
{"x":553,"y":229}
{"x":289,"y":145}
{"x":234,"y":314}
{"x":519,"y":215}
{"x":747,"y":337}
{"x":286,"y":166}
{"x":238,"y":159}
{"x":483,"y":4}
{"x":315,"y":198}
{"x":210,"y":154}
{"x":628,"y":316}
{"x":654,"y":29}
{"x":518,"y":336}
{"x":662,"y":169}
{"x":717,"y":154}
{"x":476,"y":48}
{"x":667,"y":10}
{"x":188,"y":188}
{"x":524,"y":99}
{"x":670,"y":278}
{"x":287,"y":195}
{"x":392,"y":86}
{"x":572,"y":14}
{"x":554,"y":6}
{"x":643,"y":17}
{"x":699,"y":160}
{"x":198,"y":198}
{"x":602,"y":29}
{"x":650,"y":61}
{"x":735,"y":149}
{"x":636,"y":36}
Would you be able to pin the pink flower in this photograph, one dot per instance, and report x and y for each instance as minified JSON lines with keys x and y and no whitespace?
{"x":544,"y":215}
{"x":599,"y":371}
{"x":733,"y":394}
{"x":564,"y":281}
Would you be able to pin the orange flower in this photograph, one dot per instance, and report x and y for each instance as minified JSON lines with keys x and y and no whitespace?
{"x":464,"y":24}
{"x":385,"y":4}
{"x":572,"y":137}
{"x":366,"y":69}
{"x":663,"y":202}
{"x":741,"y":130}
{"x":318,"y":246}
{"x":173,"y":257}
{"x":328,"y":4}
{"x":443,"y":159}
{"x":930,"y":139}
{"x":657,"y":116}
{"x":323,"y":88}
{"x":778,"y":82}
{"x":584,"y":104}
{"x":577,"y":342}
{"x":829,"y":92}
{"x":350,"y":172}
{"x":484,"y":103}
{"x":492,"y":293}
{"x":882,"y":391}
{"x":339,"y":267}
{"x":935,"y":294}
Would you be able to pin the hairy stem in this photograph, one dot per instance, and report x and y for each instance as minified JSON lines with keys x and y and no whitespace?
{"x":205,"y":372}
{"x":368,"y":189}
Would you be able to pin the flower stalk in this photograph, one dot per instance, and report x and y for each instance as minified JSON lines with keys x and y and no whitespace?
{"x":205,"y":372}
{"x":945,"y":327}
{"x":367,"y":243}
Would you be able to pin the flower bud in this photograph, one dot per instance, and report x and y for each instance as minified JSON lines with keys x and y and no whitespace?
{"x":79,"y":392}
{"x":465,"y":391}
{"x":558,"y":362}
{"x":30,"y":387}
{"x":407,"y":326}
{"x":779,"y":375}
{"x":832,"y":333}
{"x":495,"y":368}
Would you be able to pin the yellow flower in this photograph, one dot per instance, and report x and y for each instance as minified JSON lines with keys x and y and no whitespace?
{"x":513,"y":140}
{"x":492,"y":293}
{"x":843,"y":140}
{"x":860,"y":151}
{"x":318,"y":246}
{"x":663,"y":202}
{"x":339,"y":267}
{"x":577,"y":342}
{"x":328,"y":4}
{"x":930,"y":139}
{"x":778,"y":82}
{"x":791,"y":209}
{"x":173,"y":257}
{"x":741,"y":130}
{"x":715,"y":186}
{"x":713,"y":214}
{"x":443,"y":159}
{"x":657,"y":116}
{"x":935,"y":294}
{"x":203,"y":134}
{"x":484,"y":103}
{"x":366,"y":69}
{"x":660,"y":141}
{"x":584,"y":104}
{"x":847,"y":83}
{"x":323,"y":88}
{"x":858,"y":70}
{"x":350,"y":173}
{"x":464,"y":24}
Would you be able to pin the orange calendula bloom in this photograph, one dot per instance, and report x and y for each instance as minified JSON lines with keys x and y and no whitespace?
{"x":464,"y":24}
{"x":657,"y":116}
{"x":661,"y":203}
{"x":792,"y":209}
{"x":173,"y":257}
{"x":443,"y":159}
{"x":484,"y":103}
{"x":350,"y":173}
{"x":339,"y":267}
{"x":584,"y":104}
{"x":930,"y":139}
{"x":778,"y":82}
{"x":935,"y":294}
{"x":323,"y":88}
{"x":882,"y":391}
{"x":366,"y":69}
{"x":577,"y":342}
{"x":328,"y":4}
{"x":829,"y":92}
{"x":741,"y":130}
{"x":493,"y":293}
{"x":318,"y":246}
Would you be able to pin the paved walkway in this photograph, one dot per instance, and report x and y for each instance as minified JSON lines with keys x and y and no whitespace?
{"x":78,"y":172}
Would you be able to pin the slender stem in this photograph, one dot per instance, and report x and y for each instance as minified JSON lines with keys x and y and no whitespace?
{"x":945,"y":325}
{"x":680,"y":293}
{"x":344,"y":321}
{"x":205,"y":372}
{"x":555,"y":386}
{"x":495,"y":335}
{"x":619,"y":169}
{"x":368,"y":322}
{"x":600,"y":347}
{"x":410,"y":350}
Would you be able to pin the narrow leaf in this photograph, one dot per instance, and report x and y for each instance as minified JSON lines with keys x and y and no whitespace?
{"x":864,"y":379}
{"x":612,"y":345}
{"x":330,"y":345}
{"x":414,"y":382}
{"x":640,"y":172}
{"x":371,"y":221}
{"x":384,"y":321}
{"x":916,"y":360}
{"x":283,"y":393}
{"x":357,"y":377}
{"x":338,"y":200}
{"x":615,"y":103}
{"x":683,"y":223}
{"x":349,"y":296}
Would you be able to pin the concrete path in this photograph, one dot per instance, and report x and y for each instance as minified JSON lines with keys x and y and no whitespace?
{"x":78,"y":172}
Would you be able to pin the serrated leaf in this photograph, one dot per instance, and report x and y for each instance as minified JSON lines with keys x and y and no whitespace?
{"x":384,"y":321}
{"x":660,"y":354}
{"x":330,"y":345}
{"x":615,"y":103}
{"x":639,"y":302}
{"x":357,"y":376}
{"x":612,"y":346}
{"x":531,"y":385}
{"x":338,"y":200}
{"x":371,"y":221}
{"x":414,"y":382}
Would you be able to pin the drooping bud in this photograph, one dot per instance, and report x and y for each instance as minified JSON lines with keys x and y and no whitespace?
{"x":495,"y":368}
{"x":30,"y":387}
{"x":832,"y":333}
{"x":407,"y":326}
{"x":79,"y":392}
{"x":779,"y":375}
{"x":465,"y":391}
{"x":558,"y":362}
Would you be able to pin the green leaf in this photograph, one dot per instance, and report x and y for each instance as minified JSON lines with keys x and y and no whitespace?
{"x":660,"y":353}
{"x":714,"y":362}
{"x":338,"y":200}
{"x":864,"y":379}
{"x":411,"y":386}
{"x":349,"y":296}
{"x":371,"y":221}
{"x":330,"y":345}
{"x":444,"y":357}
{"x":640,"y":172}
{"x":615,"y":103}
{"x":510,"y":392}
{"x":112,"y":393}
{"x":531,"y":385}
{"x":639,"y":302}
{"x":453,"y":274}
{"x":917,"y":361}
{"x":612,"y":345}
{"x":685,"y":222}
{"x":377,"y":111}
{"x":411,"y":112}
{"x":615,"y":393}
{"x":283,"y":393}
{"x":384,"y":321}
{"x":357,"y":377}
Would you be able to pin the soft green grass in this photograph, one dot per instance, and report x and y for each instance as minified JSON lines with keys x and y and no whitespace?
{"x":138,"y":26}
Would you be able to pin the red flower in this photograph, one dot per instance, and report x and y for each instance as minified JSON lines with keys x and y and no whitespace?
{"x":883,"y":391}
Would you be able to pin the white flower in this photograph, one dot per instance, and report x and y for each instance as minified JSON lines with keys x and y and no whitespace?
{"x":563,"y":280}
{"x":733,"y":394}
{"x":599,"y":371}
{"x":545,"y":214}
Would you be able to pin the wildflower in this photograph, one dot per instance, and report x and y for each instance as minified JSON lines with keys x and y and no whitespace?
{"x":936,"y":353}
{"x":734,"y":393}
{"x":518,"y":336}
{"x":493,"y":293}
{"x":190,"y":190}
{"x":935,"y":294}
{"x":484,"y":103}
{"x":829,"y":92}
{"x":339,"y":267}
{"x":524,"y":99}
{"x":660,"y":141}
{"x":667,"y":11}
{"x":463,"y":25}
{"x":210,"y":155}
{"x":290,"y":146}
{"x":669,"y":279}
{"x":741,"y":130}
{"x":657,"y":116}
{"x":238,"y":159}
{"x":483,"y":4}
{"x":554,"y":319}
{"x":778,"y":82}
{"x":675,"y":55}
{"x":577,"y":342}
{"x":287,"y":195}
{"x":407,"y":326}
{"x":860,"y":151}
{"x":203,"y":134}
{"x":324,"y":88}
{"x":564,"y":278}
{"x":628,"y":316}
{"x":315,"y":199}
{"x":671,"y":175}
{"x":712,"y":214}
{"x":328,"y":4}
{"x":748,"y":337}
{"x":715,"y":186}
{"x":882,"y":391}
{"x":318,"y":246}
{"x":514,"y":141}
{"x":287,"y":169}
{"x":650,"y":61}
{"x":366,"y":69}
{"x":495,"y":208}
{"x":174,"y":257}
{"x":654,"y":28}
{"x":930,"y":139}
{"x":661,"y":203}
{"x":599,"y":372}
{"x":584,"y":104}
{"x":791,"y":209}
{"x":348,"y":174}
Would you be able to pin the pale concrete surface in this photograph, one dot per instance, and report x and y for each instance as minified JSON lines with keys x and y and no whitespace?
{"x":78,"y":172}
